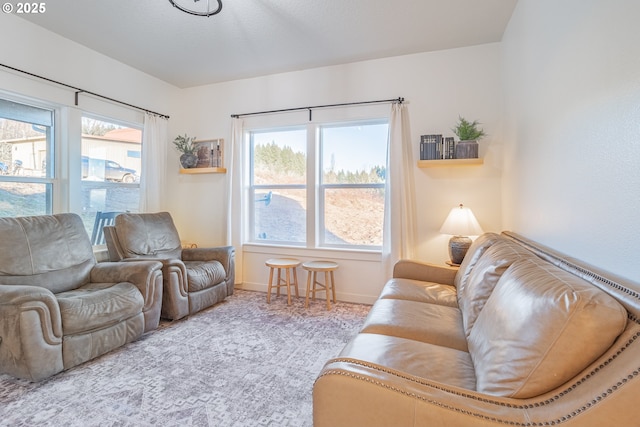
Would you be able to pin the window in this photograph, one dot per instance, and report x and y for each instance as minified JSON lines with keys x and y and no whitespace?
{"x":319,"y":186}
{"x":94,"y":167}
{"x":278,"y":182}
{"x":26,"y":159}
{"x":111,"y":167}
{"x":354,"y":164}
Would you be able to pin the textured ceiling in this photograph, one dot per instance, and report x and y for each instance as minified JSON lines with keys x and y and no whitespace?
{"x":250,"y":38}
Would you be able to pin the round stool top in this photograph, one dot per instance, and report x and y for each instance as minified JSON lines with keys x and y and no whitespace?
{"x":282,"y":262}
{"x":320,"y":265}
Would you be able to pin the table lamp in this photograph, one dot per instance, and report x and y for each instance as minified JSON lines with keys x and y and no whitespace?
{"x":460,"y":224}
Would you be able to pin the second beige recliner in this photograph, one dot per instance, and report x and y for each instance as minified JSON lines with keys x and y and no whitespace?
{"x":194,"y":279}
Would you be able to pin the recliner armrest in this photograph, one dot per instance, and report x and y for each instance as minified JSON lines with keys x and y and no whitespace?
{"x":134,"y":272}
{"x":426,"y":272}
{"x":30,"y":332}
{"x":223,"y":254}
{"x":141,"y":273}
{"x":22,"y":297}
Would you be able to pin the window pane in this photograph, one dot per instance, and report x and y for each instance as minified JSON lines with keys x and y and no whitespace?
{"x":280,"y":215}
{"x":23,"y":199}
{"x":26,"y":172}
{"x":354,"y":154}
{"x":279,"y":157}
{"x":353,"y":216}
{"x":110,"y":152}
{"x":111,"y":166}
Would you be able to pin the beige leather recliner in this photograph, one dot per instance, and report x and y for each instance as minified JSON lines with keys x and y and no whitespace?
{"x":58,"y":306}
{"x":194,"y":279}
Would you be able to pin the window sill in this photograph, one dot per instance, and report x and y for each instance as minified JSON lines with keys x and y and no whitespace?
{"x":351,"y":254}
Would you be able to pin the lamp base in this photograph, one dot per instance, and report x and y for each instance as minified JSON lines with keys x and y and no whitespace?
{"x":458,"y":247}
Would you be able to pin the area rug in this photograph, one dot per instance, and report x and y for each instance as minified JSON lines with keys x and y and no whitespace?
{"x":242,"y":362}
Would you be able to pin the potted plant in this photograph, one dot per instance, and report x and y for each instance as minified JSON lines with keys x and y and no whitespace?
{"x":184,"y":144}
{"x":469,"y":134}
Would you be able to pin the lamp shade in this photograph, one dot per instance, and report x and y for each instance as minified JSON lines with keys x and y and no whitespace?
{"x":461,"y":222}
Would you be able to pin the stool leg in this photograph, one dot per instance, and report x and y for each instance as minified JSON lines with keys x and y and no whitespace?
{"x":333,"y":287}
{"x":326,"y":289}
{"x":306,"y":300}
{"x":295,"y":281}
{"x":288,"y":271}
{"x":315,"y":280}
{"x":279,"y":283}
{"x":270,"y":285}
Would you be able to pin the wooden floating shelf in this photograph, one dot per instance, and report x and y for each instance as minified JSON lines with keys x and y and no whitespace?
{"x":203,"y":170}
{"x":449,"y":162}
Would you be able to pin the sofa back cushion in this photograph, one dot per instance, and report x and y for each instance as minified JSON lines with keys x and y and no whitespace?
{"x":484,"y":276}
{"x":477,"y":248}
{"x":148,"y":235}
{"x":540,"y":327}
{"x":50,"y":251}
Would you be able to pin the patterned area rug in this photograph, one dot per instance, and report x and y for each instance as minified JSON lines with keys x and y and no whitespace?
{"x":239,"y":363}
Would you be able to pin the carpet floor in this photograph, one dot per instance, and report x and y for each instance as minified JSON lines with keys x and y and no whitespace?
{"x":239,"y":363}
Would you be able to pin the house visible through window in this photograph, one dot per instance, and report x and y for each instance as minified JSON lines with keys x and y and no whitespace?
{"x":111,"y":167}
{"x":26,"y":159}
{"x":321,"y":185}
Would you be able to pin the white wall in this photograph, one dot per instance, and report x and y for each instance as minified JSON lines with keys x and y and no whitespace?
{"x":31,"y":48}
{"x":572,"y":80}
{"x":438,"y":86}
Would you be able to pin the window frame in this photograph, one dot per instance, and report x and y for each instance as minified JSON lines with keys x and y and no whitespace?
{"x":252,"y":187}
{"x":315,"y":186}
{"x":50,"y":178}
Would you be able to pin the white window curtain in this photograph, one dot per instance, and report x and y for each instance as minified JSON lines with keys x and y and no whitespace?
{"x":154,"y":159}
{"x":399,"y":231}
{"x":235,"y":194}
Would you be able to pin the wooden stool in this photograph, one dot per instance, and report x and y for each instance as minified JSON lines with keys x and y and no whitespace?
{"x":313,"y":268}
{"x":287,"y":264}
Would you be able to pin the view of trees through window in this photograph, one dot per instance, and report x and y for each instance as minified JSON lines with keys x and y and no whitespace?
{"x":350,"y":188}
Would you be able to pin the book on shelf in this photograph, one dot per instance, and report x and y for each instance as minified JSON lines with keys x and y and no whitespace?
{"x":449,"y":148}
{"x":431,"y":147}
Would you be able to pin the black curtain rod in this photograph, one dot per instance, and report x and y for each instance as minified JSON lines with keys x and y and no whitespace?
{"x":399,"y":100}
{"x":79,"y":91}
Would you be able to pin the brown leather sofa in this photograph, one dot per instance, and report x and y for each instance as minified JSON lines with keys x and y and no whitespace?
{"x":519,"y":335}
{"x":58,"y":306}
{"x":194,"y":278}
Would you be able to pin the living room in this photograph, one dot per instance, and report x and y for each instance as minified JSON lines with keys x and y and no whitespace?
{"x":557,"y":95}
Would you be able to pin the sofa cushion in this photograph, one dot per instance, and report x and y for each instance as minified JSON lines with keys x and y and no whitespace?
{"x":98,"y":305}
{"x":417,"y":290}
{"x":432,"y":323}
{"x":540,"y":327}
{"x":426,"y":361}
{"x":204,"y":275}
{"x":476,"y":250}
{"x":483,"y":278}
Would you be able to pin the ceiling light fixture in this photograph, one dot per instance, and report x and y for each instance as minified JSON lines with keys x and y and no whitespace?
{"x":206,"y":8}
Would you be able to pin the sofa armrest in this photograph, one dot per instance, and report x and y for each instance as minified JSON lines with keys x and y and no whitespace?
{"x":30,"y":332}
{"x":426,"y":272}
